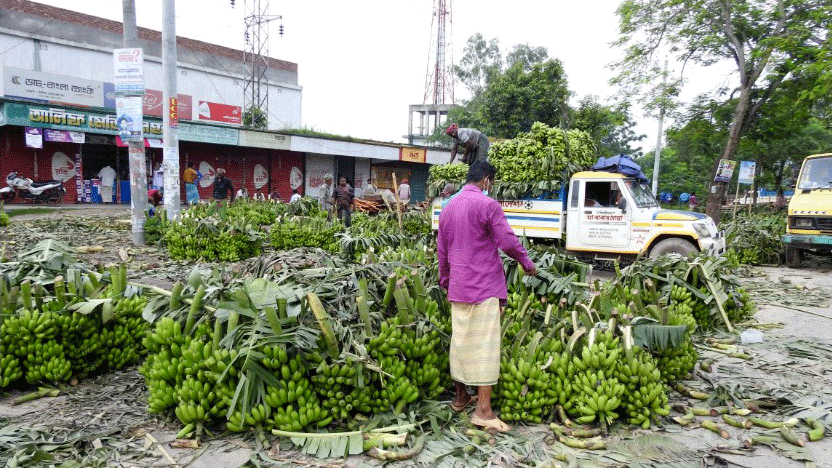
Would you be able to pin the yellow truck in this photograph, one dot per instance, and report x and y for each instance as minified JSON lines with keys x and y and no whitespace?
{"x":809,"y":224}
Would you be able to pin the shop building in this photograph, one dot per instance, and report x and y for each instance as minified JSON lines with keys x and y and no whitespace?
{"x":57,"y":115}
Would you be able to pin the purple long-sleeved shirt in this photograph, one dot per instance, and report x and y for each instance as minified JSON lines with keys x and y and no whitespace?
{"x":471,"y":229}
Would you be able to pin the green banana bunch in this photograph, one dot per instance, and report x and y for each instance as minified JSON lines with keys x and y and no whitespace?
{"x":10,"y":370}
{"x":644,"y":396}
{"x":675,"y":363}
{"x":598,"y":392}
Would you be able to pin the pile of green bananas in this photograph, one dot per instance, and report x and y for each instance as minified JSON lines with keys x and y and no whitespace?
{"x":392,"y":344}
{"x":210,"y":239}
{"x":644,"y":396}
{"x":292,"y":402}
{"x":260,"y":213}
{"x":293,"y":232}
{"x":5,"y":220}
{"x":341,"y":389}
{"x":454,"y":172}
{"x":529,"y":386}
{"x":681,"y":307}
{"x":541,"y":154}
{"x":598,"y":392}
{"x":10,"y":370}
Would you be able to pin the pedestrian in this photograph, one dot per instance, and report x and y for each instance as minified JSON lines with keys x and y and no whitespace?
{"x":370,"y":189}
{"x":325,"y":196}
{"x":154,"y":197}
{"x":159,"y":177}
{"x":242,"y":193}
{"x":692,"y":201}
{"x":404,"y":191}
{"x":448,"y":193}
{"x":108,"y":181}
{"x":259,"y":195}
{"x":274,"y":197}
{"x":473,"y":141}
{"x":343,"y":198}
{"x":295,"y":196}
{"x":222,"y":187}
{"x":191,"y":177}
{"x":472,"y":230}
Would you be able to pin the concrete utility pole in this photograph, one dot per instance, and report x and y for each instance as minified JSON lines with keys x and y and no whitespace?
{"x":138,"y":167}
{"x":657,"y":159}
{"x":170,"y":118}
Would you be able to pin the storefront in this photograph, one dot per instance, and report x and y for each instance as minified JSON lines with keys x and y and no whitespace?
{"x":411,"y":166}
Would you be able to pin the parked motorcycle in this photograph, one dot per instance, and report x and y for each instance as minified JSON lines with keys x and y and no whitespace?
{"x":44,"y":192}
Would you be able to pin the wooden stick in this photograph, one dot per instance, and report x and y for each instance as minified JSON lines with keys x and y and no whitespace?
{"x":398,"y":203}
{"x":154,"y":442}
{"x":43,"y":392}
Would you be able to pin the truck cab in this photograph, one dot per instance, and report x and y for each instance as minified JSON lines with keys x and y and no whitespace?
{"x":610,"y":215}
{"x":809,"y":222}
{"x":606,"y":216}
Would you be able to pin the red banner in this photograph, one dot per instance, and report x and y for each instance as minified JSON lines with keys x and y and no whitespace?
{"x":153,"y":107}
{"x":224,"y":113}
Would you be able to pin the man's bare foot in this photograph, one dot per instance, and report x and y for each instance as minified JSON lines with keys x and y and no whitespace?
{"x":483,"y":413}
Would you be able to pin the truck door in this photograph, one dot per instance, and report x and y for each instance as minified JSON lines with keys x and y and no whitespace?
{"x":605,"y":225}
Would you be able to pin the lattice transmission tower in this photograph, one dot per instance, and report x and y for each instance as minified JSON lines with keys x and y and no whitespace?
{"x":256,"y":54}
{"x":439,"y":79}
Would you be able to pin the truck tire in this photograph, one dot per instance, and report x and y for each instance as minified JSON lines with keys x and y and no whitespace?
{"x":673,"y":245}
{"x":793,"y":256}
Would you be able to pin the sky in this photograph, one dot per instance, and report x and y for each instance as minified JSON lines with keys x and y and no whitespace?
{"x":362,"y":63}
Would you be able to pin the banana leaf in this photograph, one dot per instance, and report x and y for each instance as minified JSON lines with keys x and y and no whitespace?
{"x":654,"y":337}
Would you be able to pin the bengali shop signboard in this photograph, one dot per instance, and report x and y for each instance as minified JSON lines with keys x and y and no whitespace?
{"x":416,"y":155}
{"x":74,"y":121}
{"x":49,"y":88}
{"x":223,"y":113}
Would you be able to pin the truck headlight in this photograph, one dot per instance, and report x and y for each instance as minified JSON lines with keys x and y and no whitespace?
{"x":802,"y":222}
{"x":702,"y":230}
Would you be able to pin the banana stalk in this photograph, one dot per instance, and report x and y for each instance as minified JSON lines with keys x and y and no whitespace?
{"x":712,"y":426}
{"x":196,"y":305}
{"x":790,"y":436}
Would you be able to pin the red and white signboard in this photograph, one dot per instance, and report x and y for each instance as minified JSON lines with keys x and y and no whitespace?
{"x":63,"y":168}
{"x":261,"y":176}
{"x":223,"y":113}
{"x":208,"y":174}
{"x":153,"y":104}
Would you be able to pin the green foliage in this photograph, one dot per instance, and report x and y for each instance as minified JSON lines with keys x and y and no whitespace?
{"x":4,"y":219}
{"x":610,"y":126}
{"x":755,"y":239}
{"x":255,"y":117}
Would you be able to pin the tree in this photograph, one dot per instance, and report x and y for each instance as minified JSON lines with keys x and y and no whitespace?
{"x":516,"y":99}
{"x":481,"y":60}
{"x":254,"y":117}
{"x":526,"y":55}
{"x":767,"y":40}
{"x":611,"y":127}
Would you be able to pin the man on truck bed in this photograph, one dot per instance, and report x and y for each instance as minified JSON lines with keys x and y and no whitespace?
{"x":474,"y":142}
{"x":471,"y":230}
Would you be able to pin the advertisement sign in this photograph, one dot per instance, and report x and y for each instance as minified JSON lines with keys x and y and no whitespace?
{"x":128,"y":71}
{"x":153,"y":104}
{"x":725,"y":170}
{"x":63,"y":168}
{"x":417,"y":155}
{"x":50,"y":88}
{"x":747,"y":171}
{"x":34,"y":137}
{"x":257,"y":139}
{"x":208,"y":134}
{"x":295,"y":178}
{"x":224,"y":113}
{"x":261,"y":176}
{"x":384,"y":176}
{"x":62,"y":136}
{"x":208,"y":174}
{"x":129,"y":118}
{"x":59,"y":119}
{"x":173,"y":113}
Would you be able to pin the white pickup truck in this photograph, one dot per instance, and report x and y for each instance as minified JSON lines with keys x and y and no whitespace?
{"x":608,"y":215}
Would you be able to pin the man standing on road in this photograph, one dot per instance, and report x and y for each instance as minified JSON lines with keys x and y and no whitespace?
{"x":472,"y":228}
{"x":325,"y":197}
{"x":222,"y":187}
{"x":343,"y":198}
{"x":191,"y":177}
{"x":474,"y":142}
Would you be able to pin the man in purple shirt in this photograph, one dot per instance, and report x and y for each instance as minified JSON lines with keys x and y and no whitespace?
{"x":472,"y":227}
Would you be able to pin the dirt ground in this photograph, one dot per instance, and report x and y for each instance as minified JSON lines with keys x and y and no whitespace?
{"x":109,"y":412}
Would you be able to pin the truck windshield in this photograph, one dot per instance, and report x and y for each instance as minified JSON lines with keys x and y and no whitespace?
{"x":816,"y":173}
{"x":642,"y":195}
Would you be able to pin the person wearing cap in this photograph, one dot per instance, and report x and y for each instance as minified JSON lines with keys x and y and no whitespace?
{"x":473,"y":141}
{"x":222,"y":187}
{"x":325,"y":197}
